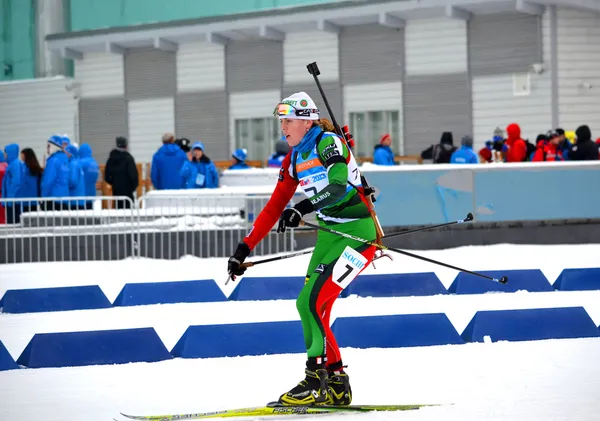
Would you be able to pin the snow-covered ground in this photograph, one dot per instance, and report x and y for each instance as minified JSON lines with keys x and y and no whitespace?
{"x":541,"y":380}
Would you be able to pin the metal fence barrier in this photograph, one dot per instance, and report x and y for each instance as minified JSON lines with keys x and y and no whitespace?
{"x":114,"y":228}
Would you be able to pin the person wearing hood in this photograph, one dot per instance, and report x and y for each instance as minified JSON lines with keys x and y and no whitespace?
{"x":11,"y":183}
{"x":199,"y":172}
{"x":55,"y":180}
{"x":465,"y":155}
{"x":166,"y":163}
{"x":441,"y":153}
{"x":239,"y":160}
{"x":3,"y":166}
{"x":76,"y":177}
{"x":383,"y":155}
{"x":584,"y":148}
{"x":548,"y":148}
{"x":281,"y":150}
{"x":515,"y":148}
{"x":322,"y":165}
{"x":91,"y":171}
{"x":121,"y":173}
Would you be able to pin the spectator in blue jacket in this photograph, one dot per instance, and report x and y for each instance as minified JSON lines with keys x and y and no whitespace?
{"x":281,"y":150}
{"x":239,"y":160}
{"x":76,"y":178}
{"x":31,"y":185}
{"x":91,"y":171}
{"x":11,"y":183}
{"x":55,"y":180}
{"x":166,"y":163}
{"x":383,"y":154}
{"x":200,"y":172}
{"x":465,"y":155}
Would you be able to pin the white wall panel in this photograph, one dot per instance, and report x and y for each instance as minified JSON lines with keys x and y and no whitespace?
{"x":149,"y":119}
{"x":299,"y":49}
{"x":200,"y":67}
{"x":495,"y":105}
{"x":435,"y":46}
{"x":100,"y":75}
{"x":579,"y":69}
{"x":33,"y":110}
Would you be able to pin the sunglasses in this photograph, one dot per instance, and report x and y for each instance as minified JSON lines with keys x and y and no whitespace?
{"x":283,"y":110}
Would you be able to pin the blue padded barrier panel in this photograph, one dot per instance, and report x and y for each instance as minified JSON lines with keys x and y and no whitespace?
{"x":395,"y":285}
{"x":532,"y":280}
{"x":395,"y":331}
{"x":95,"y":347}
{"x":54,"y":299}
{"x":268,"y":288}
{"x":578,"y":280}
{"x":530,"y":324}
{"x":169,"y":293}
{"x":6,"y":360}
{"x":231,"y":340}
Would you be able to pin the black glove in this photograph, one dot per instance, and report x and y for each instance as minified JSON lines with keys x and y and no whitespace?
{"x":291,"y":217}
{"x":234,"y":264}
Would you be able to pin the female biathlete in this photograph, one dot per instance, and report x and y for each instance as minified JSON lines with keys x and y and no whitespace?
{"x":326,"y":170}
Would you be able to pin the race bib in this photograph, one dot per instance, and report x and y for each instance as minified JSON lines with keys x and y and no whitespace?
{"x":200,"y":179}
{"x":348,"y":267}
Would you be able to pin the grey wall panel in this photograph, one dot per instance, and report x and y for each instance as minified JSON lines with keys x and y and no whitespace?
{"x":432,"y":105}
{"x":101,"y":120}
{"x":371,"y":53}
{"x":254,"y":65}
{"x":504,"y":43}
{"x":333,"y":90}
{"x":150,"y":73}
{"x":204,"y":116}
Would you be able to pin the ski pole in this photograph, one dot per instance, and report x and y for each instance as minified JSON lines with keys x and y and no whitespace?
{"x":502,"y":280}
{"x":468,"y":218}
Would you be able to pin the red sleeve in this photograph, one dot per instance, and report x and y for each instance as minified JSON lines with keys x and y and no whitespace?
{"x":539,"y":155}
{"x":284,"y":191}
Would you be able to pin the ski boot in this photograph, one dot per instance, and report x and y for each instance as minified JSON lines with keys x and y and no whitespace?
{"x":312,"y":390}
{"x":340,"y":392}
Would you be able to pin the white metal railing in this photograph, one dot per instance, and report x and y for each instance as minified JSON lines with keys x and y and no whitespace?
{"x":168,"y":226}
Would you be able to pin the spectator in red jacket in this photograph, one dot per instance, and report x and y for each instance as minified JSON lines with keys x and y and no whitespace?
{"x":550,"y":150}
{"x":514,"y":148}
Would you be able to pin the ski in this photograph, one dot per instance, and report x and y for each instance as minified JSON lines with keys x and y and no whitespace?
{"x":264,"y":411}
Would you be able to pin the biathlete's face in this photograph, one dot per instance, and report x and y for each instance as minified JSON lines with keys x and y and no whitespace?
{"x":294,"y":130}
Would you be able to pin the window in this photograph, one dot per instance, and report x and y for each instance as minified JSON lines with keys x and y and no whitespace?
{"x":258,"y":136}
{"x":368,"y":127}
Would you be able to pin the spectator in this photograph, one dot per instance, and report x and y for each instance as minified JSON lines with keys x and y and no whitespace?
{"x":166,"y":163}
{"x":55,"y":179}
{"x":239,"y":160}
{"x":540,"y":142}
{"x":11,"y":183}
{"x":584,"y":148}
{"x":91,"y":170}
{"x":485,"y":153}
{"x":597,"y":143}
{"x":76,"y":177}
{"x":31,"y":185}
{"x":184,"y":144}
{"x":3,"y":166}
{"x":383,"y":155}
{"x":281,"y":150}
{"x":121,"y":173}
{"x":514,"y":148}
{"x":441,"y":153}
{"x":548,"y":150}
{"x":199,"y":172}
{"x":465,"y":155}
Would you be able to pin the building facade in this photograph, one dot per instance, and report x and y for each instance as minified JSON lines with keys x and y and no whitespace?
{"x":411,"y":70}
